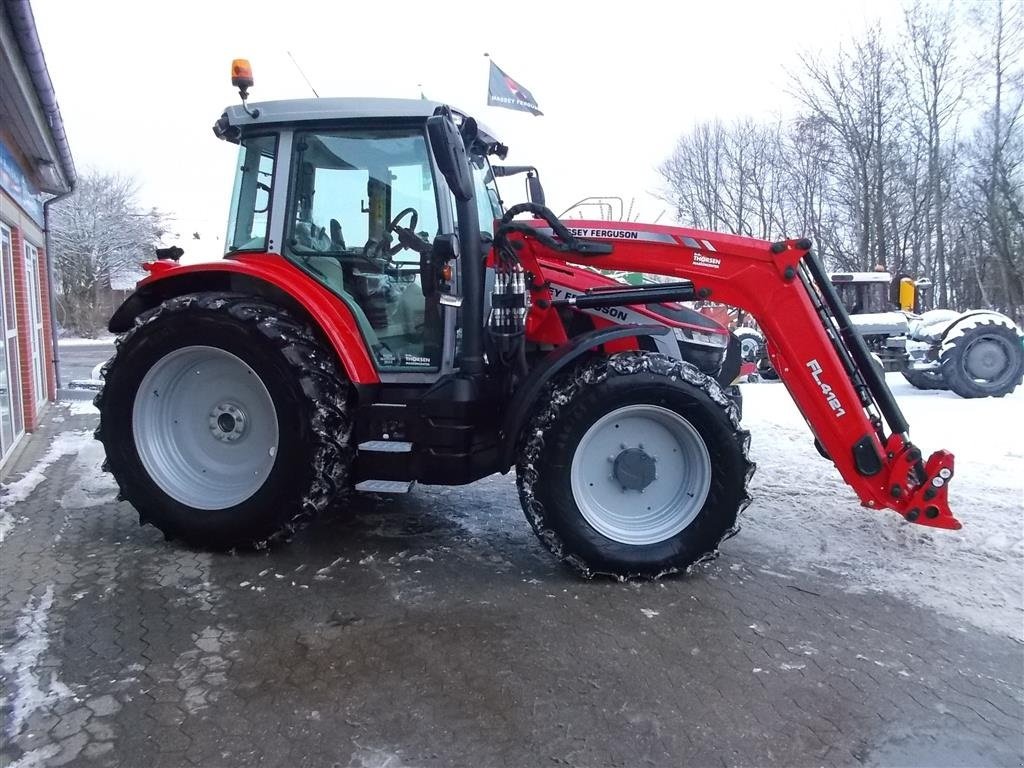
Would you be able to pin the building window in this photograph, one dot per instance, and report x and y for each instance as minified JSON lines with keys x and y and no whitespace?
{"x":11,"y":418}
{"x":35,"y":321}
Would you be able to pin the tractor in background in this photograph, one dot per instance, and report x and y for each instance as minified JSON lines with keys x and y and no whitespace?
{"x":978,"y":353}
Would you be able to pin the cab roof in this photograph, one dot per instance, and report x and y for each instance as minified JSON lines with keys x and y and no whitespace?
{"x":303,"y":110}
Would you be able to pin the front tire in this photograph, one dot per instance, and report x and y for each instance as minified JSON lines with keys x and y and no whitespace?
{"x":225,"y":421}
{"x":925,"y":380}
{"x":633,"y":466}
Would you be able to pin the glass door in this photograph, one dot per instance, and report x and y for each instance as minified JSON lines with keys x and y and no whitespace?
{"x":11,"y":420}
{"x":35,"y":319}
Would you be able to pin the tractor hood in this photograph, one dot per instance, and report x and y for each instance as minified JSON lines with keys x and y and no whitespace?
{"x":888,"y":323}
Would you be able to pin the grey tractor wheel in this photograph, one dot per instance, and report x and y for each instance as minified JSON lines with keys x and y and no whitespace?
{"x":633,"y":466}
{"x":985,"y":360}
{"x":225,"y":421}
{"x":751,"y":344}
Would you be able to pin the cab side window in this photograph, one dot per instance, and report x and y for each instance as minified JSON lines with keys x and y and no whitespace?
{"x":250,"y":200}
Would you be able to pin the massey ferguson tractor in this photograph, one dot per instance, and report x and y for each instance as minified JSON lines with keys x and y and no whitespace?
{"x":379,"y":319}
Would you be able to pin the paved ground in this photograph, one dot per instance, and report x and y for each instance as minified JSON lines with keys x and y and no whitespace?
{"x":435,"y":631}
{"x":77,"y":360}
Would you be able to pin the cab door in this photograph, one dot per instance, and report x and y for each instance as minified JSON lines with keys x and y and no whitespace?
{"x":350,"y":189}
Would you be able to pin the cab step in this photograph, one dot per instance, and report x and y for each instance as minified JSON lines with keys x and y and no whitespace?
{"x":385,"y":486}
{"x":386,"y":446}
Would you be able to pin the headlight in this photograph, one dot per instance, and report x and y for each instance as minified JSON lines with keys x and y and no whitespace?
{"x":719,"y":340}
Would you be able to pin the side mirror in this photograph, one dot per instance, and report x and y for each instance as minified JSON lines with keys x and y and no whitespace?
{"x":450,"y":154}
{"x":534,"y":189}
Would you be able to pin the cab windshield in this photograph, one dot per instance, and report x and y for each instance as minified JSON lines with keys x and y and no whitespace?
{"x":485,"y":193}
{"x":865,"y":297}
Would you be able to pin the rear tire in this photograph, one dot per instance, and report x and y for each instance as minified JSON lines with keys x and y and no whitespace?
{"x":694,"y":478}
{"x":207,"y":394}
{"x":986,"y":360}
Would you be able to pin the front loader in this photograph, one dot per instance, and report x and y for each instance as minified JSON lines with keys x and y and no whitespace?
{"x":380,"y":319}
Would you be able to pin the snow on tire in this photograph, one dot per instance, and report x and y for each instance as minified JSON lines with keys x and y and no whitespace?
{"x":633,"y":465}
{"x":225,"y":421}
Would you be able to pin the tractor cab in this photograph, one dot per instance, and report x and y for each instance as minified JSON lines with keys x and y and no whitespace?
{"x":864,"y":293}
{"x":347,"y":190}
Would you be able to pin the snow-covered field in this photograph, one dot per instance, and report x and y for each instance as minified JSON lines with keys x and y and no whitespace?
{"x":803,"y":509}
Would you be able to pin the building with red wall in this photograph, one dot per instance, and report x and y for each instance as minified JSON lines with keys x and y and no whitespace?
{"x":35,"y":168}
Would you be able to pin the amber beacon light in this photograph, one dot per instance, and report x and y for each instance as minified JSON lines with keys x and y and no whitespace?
{"x":241,"y":78}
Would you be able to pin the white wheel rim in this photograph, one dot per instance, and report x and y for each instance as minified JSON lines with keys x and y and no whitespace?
{"x":640,"y":474}
{"x":205,"y":427}
{"x":749,"y":347}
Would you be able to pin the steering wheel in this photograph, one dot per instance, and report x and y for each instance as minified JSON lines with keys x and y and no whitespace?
{"x":393,"y":227}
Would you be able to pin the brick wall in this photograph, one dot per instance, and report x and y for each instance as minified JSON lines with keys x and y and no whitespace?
{"x":28,"y":390}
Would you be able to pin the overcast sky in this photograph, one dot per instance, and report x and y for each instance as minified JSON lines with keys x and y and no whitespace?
{"x":141,"y":83}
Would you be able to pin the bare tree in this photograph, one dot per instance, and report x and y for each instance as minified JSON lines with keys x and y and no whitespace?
{"x":98,"y":233}
{"x":934,"y":86}
{"x":854,"y":98}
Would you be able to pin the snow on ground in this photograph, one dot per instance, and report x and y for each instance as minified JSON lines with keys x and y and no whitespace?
{"x":75,"y":341}
{"x":63,"y":444}
{"x":32,"y":685}
{"x":82,"y":407}
{"x":95,"y":486}
{"x":803,"y":509}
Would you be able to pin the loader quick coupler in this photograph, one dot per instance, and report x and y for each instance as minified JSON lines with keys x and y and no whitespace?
{"x":920,"y":490}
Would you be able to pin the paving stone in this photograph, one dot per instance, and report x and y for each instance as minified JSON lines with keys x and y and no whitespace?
{"x":102,"y":706}
{"x":435,"y":631}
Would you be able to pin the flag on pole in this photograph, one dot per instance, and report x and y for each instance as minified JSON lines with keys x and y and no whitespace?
{"x":503,"y":91}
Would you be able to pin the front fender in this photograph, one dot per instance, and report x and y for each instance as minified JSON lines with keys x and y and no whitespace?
{"x":526,"y":395}
{"x":266,"y":275}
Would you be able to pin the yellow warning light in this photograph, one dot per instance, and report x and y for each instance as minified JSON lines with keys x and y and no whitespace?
{"x":241,"y":74}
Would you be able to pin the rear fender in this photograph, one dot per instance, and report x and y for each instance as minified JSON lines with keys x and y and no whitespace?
{"x":977,"y":317}
{"x":526,"y":395}
{"x":268,"y":276}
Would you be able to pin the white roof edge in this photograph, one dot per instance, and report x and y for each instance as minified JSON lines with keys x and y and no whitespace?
{"x":341,"y":108}
{"x":863,"y":277}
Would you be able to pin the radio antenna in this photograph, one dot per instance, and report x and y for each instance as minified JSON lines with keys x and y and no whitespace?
{"x":303,"y":74}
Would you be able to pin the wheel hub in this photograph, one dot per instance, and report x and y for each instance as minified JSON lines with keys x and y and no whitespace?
{"x":635,"y":469}
{"x":748,"y":349}
{"x":227,"y":422}
{"x":986,"y":359}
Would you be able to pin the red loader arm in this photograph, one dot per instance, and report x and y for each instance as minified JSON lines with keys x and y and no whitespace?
{"x":819,"y":357}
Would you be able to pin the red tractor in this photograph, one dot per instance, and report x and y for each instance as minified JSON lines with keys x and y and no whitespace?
{"x":380,"y":319}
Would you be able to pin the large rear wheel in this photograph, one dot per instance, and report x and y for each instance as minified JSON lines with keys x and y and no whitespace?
{"x":634,"y":466}
{"x":225,"y":421}
{"x":982,"y":360}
